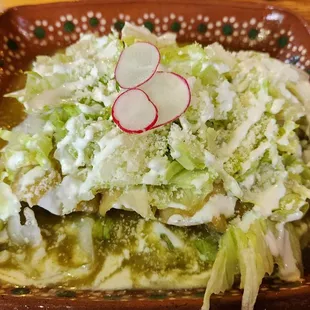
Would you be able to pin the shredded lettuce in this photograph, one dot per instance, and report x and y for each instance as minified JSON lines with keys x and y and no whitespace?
{"x":24,"y":150}
{"x":235,"y":100}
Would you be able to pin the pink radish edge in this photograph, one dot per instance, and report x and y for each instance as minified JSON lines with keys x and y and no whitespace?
{"x":118,"y":123}
{"x":189,"y":98}
{"x":136,"y":86}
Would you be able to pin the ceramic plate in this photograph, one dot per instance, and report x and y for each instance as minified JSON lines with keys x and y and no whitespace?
{"x":31,"y":30}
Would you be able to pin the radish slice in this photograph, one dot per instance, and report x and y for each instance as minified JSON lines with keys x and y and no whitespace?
{"x":171,"y":95}
{"x":133,"y":111}
{"x":137,"y":64}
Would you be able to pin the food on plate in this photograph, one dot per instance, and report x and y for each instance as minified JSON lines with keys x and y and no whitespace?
{"x":144,"y":164}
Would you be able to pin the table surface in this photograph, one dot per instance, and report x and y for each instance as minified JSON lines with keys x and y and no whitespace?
{"x":301,"y":7}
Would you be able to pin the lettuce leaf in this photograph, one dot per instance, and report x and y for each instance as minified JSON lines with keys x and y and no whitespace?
{"x":253,"y":253}
{"x":224,"y":268}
